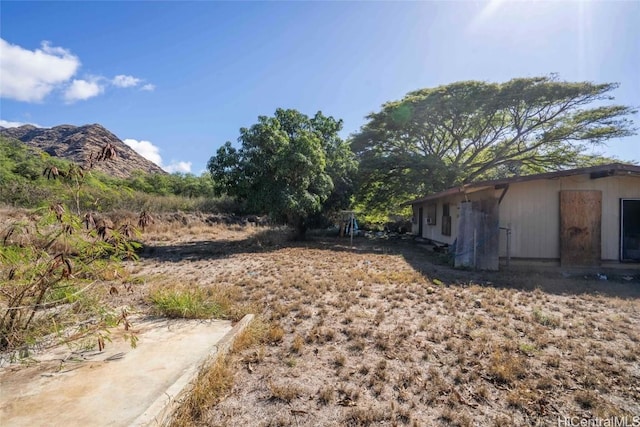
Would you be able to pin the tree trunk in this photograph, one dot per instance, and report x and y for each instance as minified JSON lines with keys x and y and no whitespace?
{"x":300,"y":229}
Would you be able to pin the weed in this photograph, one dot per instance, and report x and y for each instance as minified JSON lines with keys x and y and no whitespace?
{"x":544,"y":319}
{"x":275,"y":334}
{"x":587,"y":399}
{"x":283,"y":392}
{"x":365,"y":416}
{"x":521,"y":398}
{"x":506,"y":368}
{"x":527,"y":349}
{"x":339,"y":360}
{"x":43,"y":263}
{"x":379,"y":317}
{"x":326,"y":395}
{"x":256,"y":332}
{"x":297,"y":344}
{"x":320,"y":335}
{"x":357,"y":346}
{"x":185,"y":303}
{"x":453,"y":417}
{"x":382,"y":341}
{"x":545,"y":383}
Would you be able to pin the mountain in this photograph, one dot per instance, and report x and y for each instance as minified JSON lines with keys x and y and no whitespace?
{"x":78,"y":143}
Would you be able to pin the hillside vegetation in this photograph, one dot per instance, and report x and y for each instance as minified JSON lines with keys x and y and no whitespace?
{"x":25,"y":181}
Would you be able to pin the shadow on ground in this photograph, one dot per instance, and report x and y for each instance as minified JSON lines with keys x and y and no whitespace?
{"x":431,"y":265}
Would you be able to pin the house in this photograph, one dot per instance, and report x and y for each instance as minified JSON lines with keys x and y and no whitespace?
{"x":579,"y":217}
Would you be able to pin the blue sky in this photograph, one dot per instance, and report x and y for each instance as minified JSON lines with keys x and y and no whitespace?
{"x":178,"y":79}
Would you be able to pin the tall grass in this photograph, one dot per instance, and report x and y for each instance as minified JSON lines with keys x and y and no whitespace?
{"x":186,"y":303}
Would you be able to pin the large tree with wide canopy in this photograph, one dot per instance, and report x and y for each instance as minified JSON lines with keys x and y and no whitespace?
{"x":436,"y":138}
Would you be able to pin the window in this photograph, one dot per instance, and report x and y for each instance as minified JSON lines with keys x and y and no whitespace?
{"x":630,"y":230}
{"x":446,"y":220}
{"x":431,"y":214}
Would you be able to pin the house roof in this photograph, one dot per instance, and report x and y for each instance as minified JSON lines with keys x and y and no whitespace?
{"x":595,"y":172}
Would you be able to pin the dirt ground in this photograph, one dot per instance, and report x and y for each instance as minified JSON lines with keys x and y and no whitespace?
{"x":381,"y":333}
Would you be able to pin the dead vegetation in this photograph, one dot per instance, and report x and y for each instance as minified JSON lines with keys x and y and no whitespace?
{"x":378,"y":335}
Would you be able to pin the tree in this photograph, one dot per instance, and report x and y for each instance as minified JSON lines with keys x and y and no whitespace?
{"x":434,"y":139}
{"x":289,"y":166}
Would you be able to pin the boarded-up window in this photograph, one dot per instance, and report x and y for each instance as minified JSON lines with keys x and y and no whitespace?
{"x":446,"y":220}
{"x":431,"y":214}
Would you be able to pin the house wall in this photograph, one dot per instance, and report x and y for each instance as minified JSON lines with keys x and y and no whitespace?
{"x":434,"y":232}
{"x":532,"y":211}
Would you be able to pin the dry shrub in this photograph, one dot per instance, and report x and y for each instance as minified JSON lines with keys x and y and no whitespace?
{"x":339,"y":360}
{"x":275,"y":334}
{"x":255,"y":333}
{"x":523,"y":398}
{"x":271,"y":237}
{"x":326,"y":395}
{"x":212,"y":384}
{"x":284,"y":392}
{"x":320,"y":335}
{"x":297,"y":344}
{"x":357,"y":346}
{"x":454,"y":417}
{"x":544,"y":319}
{"x":506,"y":368}
{"x":379,"y":317}
{"x":553,"y":361}
{"x":503,"y":420}
{"x":365,"y":416}
{"x":587,"y":399}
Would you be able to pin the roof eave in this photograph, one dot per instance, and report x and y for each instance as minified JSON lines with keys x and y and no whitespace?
{"x":595,"y":172}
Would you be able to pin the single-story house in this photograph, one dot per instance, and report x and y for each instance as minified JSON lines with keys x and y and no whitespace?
{"x":579,"y":217}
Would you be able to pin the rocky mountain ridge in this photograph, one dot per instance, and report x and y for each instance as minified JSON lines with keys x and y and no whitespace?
{"x":79,"y":143}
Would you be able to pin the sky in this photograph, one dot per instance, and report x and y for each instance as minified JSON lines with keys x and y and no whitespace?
{"x":176,"y":80}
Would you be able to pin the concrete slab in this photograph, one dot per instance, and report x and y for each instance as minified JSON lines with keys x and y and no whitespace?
{"x":120,"y":386}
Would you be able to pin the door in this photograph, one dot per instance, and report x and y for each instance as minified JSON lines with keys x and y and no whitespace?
{"x":420,"y":221}
{"x":630,"y":230}
{"x":580,"y":227}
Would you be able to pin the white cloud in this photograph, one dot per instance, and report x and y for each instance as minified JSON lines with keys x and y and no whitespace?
{"x":79,"y":90}
{"x":183,"y":167}
{"x":146,"y":149}
{"x":8,"y":124}
{"x":151,"y":152}
{"x":31,"y":75}
{"x":122,"y":80}
{"x":125,"y":81}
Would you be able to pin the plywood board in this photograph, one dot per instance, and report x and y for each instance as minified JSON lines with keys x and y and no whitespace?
{"x":580,"y":227}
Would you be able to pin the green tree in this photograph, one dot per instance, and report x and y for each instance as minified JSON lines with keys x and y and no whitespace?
{"x":433,"y":139}
{"x":289,"y":166}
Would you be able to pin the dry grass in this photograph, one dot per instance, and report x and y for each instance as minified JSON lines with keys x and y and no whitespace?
{"x":212,"y":384}
{"x":377,"y":335}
